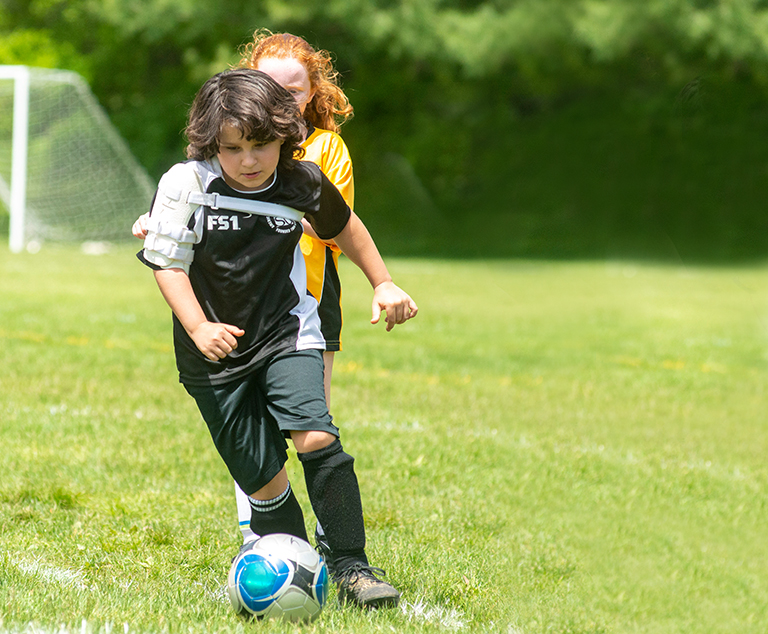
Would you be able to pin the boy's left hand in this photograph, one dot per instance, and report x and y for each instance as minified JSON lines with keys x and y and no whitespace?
{"x":394,"y":301}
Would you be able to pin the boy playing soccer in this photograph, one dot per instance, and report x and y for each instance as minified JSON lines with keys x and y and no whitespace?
{"x":223,"y":239}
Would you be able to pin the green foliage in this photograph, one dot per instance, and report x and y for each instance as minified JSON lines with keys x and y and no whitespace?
{"x":32,"y":47}
{"x":669,"y":174}
{"x":449,"y":87}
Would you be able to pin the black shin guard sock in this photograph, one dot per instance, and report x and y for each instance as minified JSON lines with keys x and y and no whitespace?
{"x":281,"y":515}
{"x":335,"y":495}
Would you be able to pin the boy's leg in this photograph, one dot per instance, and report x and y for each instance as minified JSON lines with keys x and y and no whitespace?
{"x":254,"y":450}
{"x":296,"y":399}
{"x":275,"y":509}
{"x":335,"y":495}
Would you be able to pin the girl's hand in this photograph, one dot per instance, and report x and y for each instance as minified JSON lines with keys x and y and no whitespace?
{"x":139,"y":229}
{"x":216,"y":340}
{"x":398,"y":305}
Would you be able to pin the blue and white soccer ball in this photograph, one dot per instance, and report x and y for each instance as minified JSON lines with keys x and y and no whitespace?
{"x":278,"y":576}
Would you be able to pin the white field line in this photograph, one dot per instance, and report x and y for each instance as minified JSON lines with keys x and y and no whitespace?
{"x":219,"y":595}
{"x":85,"y":628}
{"x":51,"y":574}
{"x":419,"y":611}
{"x":448,"y":618}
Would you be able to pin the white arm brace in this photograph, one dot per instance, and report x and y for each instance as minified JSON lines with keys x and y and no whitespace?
{"x":169,"y":241}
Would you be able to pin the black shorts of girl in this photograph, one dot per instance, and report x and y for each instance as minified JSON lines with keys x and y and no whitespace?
{"x":250,"y":418}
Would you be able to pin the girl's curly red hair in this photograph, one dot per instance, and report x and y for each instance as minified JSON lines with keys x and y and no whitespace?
{"x":329,"y":109}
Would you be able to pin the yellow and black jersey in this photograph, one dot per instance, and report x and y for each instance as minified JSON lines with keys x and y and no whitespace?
{"x":327,"y":150}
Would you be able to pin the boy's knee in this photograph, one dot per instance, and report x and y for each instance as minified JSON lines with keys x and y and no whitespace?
{"x":331,"y":456}
{"x":309,"y":441}
{"x":273,"y":488}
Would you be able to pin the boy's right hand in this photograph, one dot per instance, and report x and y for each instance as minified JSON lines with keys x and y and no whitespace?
{"x":216,"y":340}
{"x":139,"y":229}
{"x":395,"y":302}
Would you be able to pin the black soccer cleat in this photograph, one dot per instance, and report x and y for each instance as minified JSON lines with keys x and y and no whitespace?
{"x":360,"y":585}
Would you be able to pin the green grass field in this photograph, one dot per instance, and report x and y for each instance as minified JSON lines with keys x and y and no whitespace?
{"x":548,"y":448}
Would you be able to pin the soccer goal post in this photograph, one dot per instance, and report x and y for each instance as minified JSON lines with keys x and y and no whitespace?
{"x":65,"y":172}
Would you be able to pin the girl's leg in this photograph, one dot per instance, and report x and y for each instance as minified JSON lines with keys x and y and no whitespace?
{"x":243,"y":513}
{"x":320,"y":538}
{"x":327,"y":372}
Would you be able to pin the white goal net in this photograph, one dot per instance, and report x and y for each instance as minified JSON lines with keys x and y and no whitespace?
{"x":65,"y":173}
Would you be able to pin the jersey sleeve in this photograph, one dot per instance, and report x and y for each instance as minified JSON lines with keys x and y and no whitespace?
{"x":337,"y":166}
{"x":332,"y":214}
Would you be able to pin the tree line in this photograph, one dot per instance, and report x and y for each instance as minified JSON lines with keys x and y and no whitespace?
{"x":443,"y":89}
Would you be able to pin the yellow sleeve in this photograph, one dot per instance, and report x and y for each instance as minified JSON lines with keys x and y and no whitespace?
{"x":338,"y":169}
{"x":330,"y":153}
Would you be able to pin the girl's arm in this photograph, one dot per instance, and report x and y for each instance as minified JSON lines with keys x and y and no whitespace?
{"x":356,"y":243}
{"x":336,"y":164}
{"x":214,"y":340}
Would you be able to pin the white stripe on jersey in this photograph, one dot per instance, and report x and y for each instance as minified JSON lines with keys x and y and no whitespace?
{"x":310,"y":337}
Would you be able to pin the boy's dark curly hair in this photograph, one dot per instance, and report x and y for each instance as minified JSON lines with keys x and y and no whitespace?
{"x":250,"y":101}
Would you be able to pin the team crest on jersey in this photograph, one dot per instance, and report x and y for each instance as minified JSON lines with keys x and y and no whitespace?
{"x":281,"y":225}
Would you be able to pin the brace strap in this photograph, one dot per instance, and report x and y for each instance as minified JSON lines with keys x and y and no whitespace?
{"x":217,"y":201}
{"x":166,"y":228}
{"x":167,"y":250}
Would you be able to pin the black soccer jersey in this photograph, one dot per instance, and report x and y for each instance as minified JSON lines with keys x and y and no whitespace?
{"x":248,"y":271}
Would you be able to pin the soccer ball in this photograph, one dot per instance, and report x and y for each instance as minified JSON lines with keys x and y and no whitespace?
{"x":278,"y":576}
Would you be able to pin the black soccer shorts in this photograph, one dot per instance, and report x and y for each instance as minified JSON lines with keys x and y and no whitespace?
{"x":250,"y":418}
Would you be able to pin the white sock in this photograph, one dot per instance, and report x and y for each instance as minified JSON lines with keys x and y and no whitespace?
{"x":244,"y":514}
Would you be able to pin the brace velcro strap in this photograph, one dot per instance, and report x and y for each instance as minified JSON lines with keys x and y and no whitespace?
{"x":258,"y":207}
{"x":171,"y":230}
{"x":163,"y":262}
{"x":168,"y":248}
{"x":264,"y":506}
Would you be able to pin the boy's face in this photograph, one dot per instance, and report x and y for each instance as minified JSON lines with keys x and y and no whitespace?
{"x":247,"y":165}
